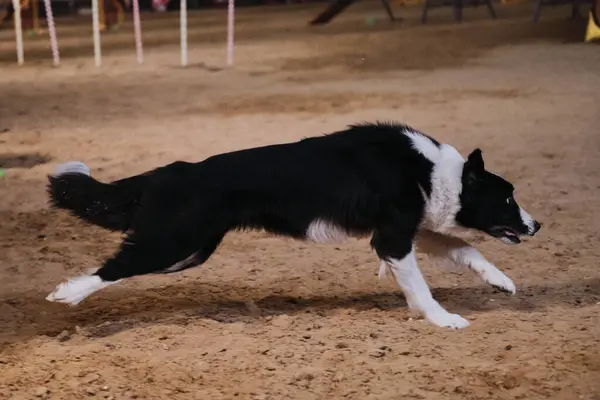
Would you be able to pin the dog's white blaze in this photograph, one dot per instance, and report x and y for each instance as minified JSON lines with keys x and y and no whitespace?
{"x":74,"y":290}
{"x":527,"y":220}
{"x":418,"y":296}
{"x":71,"y":167}
{"x":324,"y":231}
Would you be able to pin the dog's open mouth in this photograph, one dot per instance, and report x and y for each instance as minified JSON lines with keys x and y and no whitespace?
{"x":506,"y":234}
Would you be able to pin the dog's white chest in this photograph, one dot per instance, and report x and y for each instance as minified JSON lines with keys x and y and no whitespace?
{"x":443,"y":203}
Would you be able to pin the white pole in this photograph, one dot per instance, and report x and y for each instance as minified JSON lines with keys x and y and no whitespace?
{"x":52,"y":33}
{"x":138,"y":32}
{"x":230,"y":31}
{"x":96,"y":29}
{"x":183,"y":29}
{"x":18,"y":31}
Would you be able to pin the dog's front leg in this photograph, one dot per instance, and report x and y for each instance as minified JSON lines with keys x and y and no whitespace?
{"x":461,"y":253}
{"x":400,"y":261}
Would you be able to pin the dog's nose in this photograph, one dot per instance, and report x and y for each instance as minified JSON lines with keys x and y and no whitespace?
{"x":536,"y":227}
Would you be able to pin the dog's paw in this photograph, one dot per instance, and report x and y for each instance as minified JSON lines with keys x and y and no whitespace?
{"x":75,"y":290}
{"x":444,"y":319}
{"x":497,"y":279}
{"x":384,"y":271}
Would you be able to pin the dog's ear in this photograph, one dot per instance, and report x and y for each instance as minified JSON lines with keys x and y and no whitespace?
{"x":474,"y":166}
{"x":475,"y":160}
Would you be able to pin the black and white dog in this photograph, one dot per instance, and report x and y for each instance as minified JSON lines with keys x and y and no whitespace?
{"x":385,"y":180}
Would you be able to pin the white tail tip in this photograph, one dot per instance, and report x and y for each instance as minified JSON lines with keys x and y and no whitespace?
{"x":72,"y":167}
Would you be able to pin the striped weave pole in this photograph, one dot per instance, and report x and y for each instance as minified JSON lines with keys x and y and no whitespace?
{"x":183,"y":29}
{"x":52,"y":33}
{"x":96,"y":32}
{"x":18,"y":31}
{"x":138,"y":31}
{"x":230,"y":31}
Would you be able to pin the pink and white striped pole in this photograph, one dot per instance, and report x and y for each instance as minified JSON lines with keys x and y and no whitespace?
{"x":230,"y":31}
{"x":52,"y":33}
{"x":137,"y":26}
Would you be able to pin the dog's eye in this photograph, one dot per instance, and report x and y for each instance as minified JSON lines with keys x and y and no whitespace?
{"x":509,"y":200}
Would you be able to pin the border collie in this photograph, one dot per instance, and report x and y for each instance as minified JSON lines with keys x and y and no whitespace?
{"x":389,"y":181}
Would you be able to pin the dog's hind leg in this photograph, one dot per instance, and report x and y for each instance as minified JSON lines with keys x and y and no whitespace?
{"x":137,"y":258}
{"x":460,"y":253}
{"x":395,"y":248}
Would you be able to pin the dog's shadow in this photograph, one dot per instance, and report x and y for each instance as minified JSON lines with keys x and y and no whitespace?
{"x":120,"y":309}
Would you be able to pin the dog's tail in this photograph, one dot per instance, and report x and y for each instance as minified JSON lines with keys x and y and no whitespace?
{"x":108,"y":205}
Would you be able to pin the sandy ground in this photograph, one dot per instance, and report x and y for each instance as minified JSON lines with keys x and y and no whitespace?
{"x":270,"y":318}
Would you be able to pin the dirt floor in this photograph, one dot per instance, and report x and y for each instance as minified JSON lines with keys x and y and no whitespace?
{"x":271,"y":318}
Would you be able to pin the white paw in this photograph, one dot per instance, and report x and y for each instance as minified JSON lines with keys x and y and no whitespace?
{"x":496,"y":278}
{"x":384,"y":271}
{"x":446,"y":320}
{"x":76,"y":289}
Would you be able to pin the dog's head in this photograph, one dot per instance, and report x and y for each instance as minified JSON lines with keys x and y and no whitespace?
{"x":488,"y":204}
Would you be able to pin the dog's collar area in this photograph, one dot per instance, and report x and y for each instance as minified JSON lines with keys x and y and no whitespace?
{"x":443,"y":204}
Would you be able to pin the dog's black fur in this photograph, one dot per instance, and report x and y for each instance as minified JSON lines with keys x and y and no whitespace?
{"x":368,"y":179}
